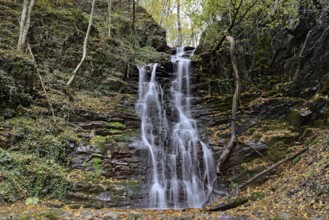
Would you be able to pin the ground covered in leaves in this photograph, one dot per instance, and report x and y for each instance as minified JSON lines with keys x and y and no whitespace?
{"x":299,"y":189}
{"x":43,"y":211}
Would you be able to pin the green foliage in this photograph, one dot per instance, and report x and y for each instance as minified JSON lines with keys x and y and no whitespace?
{"x":37,"y":163}
{"x":117,"y":125}
{"x":296,"y":160}
{"x":25,"y":175}
{"x":32,"y":201}
{"x":7,"y":85}
{"x":97,"y":162}
{"x":43,"y":138}
{"x":147,"y":54}
{"x":16,"y":74}
{"x":256,"y":196}
{"x":234,"y":186}
{"x":100,"y":143}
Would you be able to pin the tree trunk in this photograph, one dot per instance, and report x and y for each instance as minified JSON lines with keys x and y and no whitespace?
{"x":109,"y":20}
{"x":24,"y":23}
{"x":180,"y":35}
{"x":134,"y":22}
{"x":84,"y":51}
{"x":236,"y":95}
{"x":163,"y":11}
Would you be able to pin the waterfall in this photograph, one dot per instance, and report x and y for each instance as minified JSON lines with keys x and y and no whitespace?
{"x":182,"y":165}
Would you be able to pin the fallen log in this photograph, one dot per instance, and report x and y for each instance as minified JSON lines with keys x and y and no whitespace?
{"x":230,"y":204}
{"x":272,"y":168}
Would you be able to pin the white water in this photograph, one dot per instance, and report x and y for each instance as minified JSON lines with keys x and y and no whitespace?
{"x":182,"y":165}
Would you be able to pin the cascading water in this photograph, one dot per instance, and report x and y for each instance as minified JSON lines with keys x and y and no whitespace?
{"x":183,"y":169}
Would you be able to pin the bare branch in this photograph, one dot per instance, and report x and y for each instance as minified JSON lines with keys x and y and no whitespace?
{"x":41,"y":80}
{"x":84,"y":52}
{"x":233,"y":23}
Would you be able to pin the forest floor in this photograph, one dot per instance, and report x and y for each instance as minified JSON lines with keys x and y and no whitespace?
{"x":43,"y":211}
{"x":297,"y":190}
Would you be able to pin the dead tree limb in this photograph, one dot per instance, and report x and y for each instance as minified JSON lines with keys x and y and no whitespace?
{"x":230,"y":205}
{"x":84,"y":51}
{"x":248,"y":182}
{"x":259,"y":153}
{"x":41,"y":81}
{"x":236,"y":95}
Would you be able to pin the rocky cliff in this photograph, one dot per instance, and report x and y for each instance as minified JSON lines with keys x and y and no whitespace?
{"x":283,"y":107}
{"x":83,"y":154}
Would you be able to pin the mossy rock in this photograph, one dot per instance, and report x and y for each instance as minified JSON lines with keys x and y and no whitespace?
{"x":277,"y":151}
{"x":297,"y":118}
{"x":319,"y":123}
{"x":117,"y":125}
{"x":100,"y":142}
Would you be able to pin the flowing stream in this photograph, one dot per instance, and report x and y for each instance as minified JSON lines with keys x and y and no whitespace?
{"x":182,"y":166}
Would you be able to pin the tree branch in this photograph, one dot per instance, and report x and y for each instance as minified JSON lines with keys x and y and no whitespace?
{"x":233,"y":23}
{"x":272,"y":168}
{"x":84,"y":51}
{"x":41,"y":80}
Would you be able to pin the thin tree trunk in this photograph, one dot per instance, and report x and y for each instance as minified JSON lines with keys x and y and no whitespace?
{"x":133,"y":23}
{"x":109,"y":11}
{"x":180,"y":35}
{"x":24,"y":23}
{"x":300,"y":56}
{"x":21,"y":25}
{"x":41,"y":81}
{"x":236,"y":95}
{"x":163,"y":11}
{"x":27,"y":22}
{"x":84,"y":51}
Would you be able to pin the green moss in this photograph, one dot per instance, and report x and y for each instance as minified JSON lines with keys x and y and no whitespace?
{"x":148,"y":54}
{"x":100,"y":143}
{"x":117,"y":125}
{"x":256,"y":196}
{"x":43,"y":137}
{"x":52,"y":214}
{"x":296,"y":160}
{"x":97,"y":162}
{"x":294,"y":118}
{"x":115,"y":131}
{"x":132,"y":185}
{"x":26,"y":175}
{"x":277,"y":151}
{"x":26,"y":217}
{"x":319,"y":123}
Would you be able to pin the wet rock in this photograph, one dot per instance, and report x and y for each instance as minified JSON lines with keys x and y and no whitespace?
{"x":104,"y":196}
{"x":186,"y":49}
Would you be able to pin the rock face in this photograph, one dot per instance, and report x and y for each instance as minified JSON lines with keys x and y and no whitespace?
{"x":90,"y":147}
{"x":277,"y":104}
